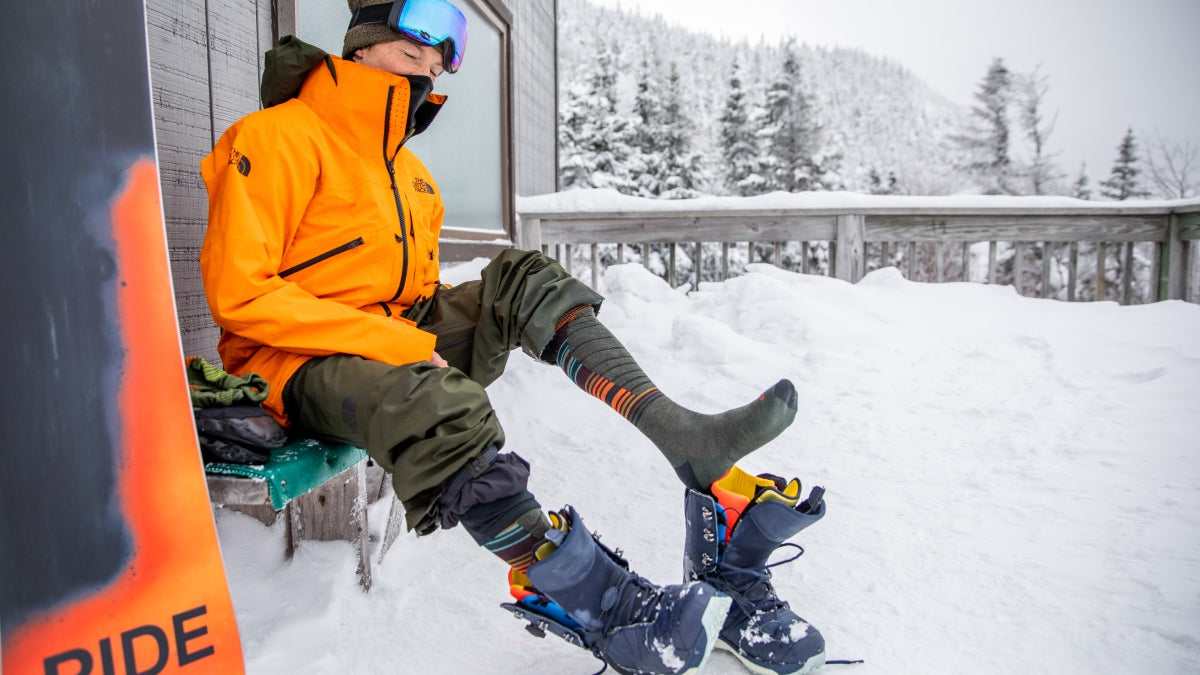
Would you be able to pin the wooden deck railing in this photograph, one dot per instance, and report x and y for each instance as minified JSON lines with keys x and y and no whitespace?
{"x":858,"y":233}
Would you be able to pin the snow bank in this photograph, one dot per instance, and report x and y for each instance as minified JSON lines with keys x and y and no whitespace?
{"x":1012,"y":486}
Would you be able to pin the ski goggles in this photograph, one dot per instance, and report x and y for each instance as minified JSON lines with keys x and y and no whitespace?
{"x":427,"y":22}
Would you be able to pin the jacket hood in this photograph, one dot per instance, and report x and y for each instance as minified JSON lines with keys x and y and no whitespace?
{"x":287,"y":66}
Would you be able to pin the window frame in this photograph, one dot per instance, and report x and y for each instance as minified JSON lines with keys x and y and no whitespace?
{"x":463,"y":243}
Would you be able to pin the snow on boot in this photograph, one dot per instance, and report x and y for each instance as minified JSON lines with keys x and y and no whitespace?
{"x":731,"y":554}
{"x":633,"y":625}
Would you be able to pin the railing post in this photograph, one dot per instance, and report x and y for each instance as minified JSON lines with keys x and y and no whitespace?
{"x":851,"y":240}
{"x":529,"y":234}
{"x":595,"y":266}
{"x":1172,"y":273}
{"x":1073,"y":271}
{"x":1046,"y":250}
{"x":1018,"y":266}
{"x":671,"y":267}
{"x":1127,"y":274}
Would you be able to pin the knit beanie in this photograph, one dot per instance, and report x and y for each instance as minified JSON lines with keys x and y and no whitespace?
{"x":367,"y":34}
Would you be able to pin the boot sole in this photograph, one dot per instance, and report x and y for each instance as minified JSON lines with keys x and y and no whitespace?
{"x":807,"y":667}
{"x":712,"y":620}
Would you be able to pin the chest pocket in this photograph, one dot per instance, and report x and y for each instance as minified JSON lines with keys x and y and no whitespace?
{"x":345,"y":247}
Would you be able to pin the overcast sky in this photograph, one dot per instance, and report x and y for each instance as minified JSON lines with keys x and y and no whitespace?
{"x":1110,"y":64}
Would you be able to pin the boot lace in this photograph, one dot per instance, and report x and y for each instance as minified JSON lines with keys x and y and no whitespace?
{"x":633,"y":600}
{"x":751,"y":588}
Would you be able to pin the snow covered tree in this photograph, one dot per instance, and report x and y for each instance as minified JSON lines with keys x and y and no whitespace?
{"x":790,"y":136}
{"x":987,"y":140}
{"x":1081,"y":189}
{"x":1041,"y":169}
{"x":1123,"y":182}
{"x":647,"y":133}
{"x":681,"y":167}
{"x":877,"y":185}
{"x":594,"y":138}
{"x":738,"y":141}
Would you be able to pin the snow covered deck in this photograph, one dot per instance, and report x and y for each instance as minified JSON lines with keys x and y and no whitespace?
{"x":865,"y":229}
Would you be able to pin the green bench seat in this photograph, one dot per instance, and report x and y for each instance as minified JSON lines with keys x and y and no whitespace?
{"x":320,"y":488}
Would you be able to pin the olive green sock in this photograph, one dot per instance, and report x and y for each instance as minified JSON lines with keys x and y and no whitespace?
{"x":701,"y":448}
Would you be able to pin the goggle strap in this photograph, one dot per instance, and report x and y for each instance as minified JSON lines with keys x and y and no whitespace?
{"x":370,"y":14}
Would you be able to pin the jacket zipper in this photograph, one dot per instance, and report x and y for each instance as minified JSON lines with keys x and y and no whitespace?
{"x":390,"y":162}
{"x":324,"y":256}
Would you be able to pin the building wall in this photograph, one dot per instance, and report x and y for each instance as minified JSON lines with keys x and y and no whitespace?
{"x":535,"y":84}
{"x":206,"y":61}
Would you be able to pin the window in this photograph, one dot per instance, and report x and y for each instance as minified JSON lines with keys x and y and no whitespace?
{"x":467,"y":146}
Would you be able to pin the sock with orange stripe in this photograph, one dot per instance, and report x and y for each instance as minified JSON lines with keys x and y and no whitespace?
{"x":701,"y":448}
{"x":515,"y":544}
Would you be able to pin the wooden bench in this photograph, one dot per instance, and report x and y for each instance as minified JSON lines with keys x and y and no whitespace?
{"x":321,"y":489}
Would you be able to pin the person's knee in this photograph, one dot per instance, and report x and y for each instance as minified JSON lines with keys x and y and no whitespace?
{"x":535,"y":292}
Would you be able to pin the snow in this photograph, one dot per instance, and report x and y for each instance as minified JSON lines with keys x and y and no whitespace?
{"x":1012,"y":486}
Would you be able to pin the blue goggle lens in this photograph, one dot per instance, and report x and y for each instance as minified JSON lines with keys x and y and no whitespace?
{"x":432,"y":22}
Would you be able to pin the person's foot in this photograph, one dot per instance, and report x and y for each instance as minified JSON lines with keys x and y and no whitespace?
{"x":630,"y":623}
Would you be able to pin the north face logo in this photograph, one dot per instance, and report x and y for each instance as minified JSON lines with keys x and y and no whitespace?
{"x":420,"y":185}
{"x":242,"y":162}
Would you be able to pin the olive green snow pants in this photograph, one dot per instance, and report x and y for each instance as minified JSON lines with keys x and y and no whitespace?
{"x":423,"y":423}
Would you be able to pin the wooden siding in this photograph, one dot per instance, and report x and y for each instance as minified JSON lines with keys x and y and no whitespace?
{"x":205,"y":60}
{"x":535,"y":96}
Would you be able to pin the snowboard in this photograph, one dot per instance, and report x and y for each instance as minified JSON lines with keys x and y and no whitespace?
{"x":109,"y":560}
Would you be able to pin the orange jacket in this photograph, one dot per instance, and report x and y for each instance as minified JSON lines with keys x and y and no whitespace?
{"x":322,"y":228}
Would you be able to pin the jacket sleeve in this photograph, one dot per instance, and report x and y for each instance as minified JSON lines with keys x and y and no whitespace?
{"x":259,"y":182}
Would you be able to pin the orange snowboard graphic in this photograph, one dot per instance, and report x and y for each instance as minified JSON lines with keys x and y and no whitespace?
{"x":168,"y":609}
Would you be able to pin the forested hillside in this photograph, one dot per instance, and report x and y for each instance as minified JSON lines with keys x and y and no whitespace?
{"x":871,"y":125}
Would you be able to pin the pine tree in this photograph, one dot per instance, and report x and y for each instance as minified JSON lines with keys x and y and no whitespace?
{"x":790,"y":135}
{"x":1081,"y":189}
{"x":1123,"y":182}
{"x":738,"y":141}
{"x":595,"y":139}
{"x":987,"y":142}
{"x":574,"y":127}
{"x":680,"y":165}
{"x":647,"y":135}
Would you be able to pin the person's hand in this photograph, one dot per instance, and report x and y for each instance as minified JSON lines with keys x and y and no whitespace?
{"x":439,"y":361}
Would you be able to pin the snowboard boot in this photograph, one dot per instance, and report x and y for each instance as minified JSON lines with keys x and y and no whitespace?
{"x":727,"y":545}
{"x":584,"y":592}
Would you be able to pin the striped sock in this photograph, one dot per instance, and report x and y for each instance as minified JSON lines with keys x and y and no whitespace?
{"x":701,"y":448}
{"x":515,"y":543}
